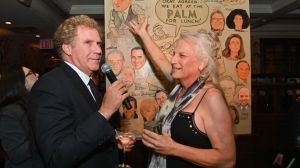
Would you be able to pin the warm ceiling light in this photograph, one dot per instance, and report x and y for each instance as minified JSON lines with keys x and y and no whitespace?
{"x":37,"y":36}
{"x":8,"y":22}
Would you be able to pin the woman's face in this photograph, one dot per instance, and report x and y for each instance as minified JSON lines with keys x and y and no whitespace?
{"x":238,"y":22}
{"x":235,"y":44}
{"x":185,"y":65}
{"x":30,"y":78}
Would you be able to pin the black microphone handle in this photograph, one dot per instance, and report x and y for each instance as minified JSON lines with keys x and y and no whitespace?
{"x":112,"y":78}
{"x":127,"y":104}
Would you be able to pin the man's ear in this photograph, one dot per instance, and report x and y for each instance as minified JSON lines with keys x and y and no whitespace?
{"x":67,"y":49}
{"x":203,"y":64}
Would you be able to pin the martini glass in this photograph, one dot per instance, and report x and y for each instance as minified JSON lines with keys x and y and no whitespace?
{"x":124,"y":137}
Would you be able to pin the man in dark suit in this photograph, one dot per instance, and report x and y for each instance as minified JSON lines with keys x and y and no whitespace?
{"x":70,"y":123}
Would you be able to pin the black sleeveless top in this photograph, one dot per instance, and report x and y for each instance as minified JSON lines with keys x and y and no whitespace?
{"x":185,"y":131}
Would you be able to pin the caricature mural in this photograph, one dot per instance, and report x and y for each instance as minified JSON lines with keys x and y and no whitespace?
{"x":228,"y":22}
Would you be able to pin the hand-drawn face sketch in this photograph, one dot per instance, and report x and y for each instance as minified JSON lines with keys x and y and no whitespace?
{"x":244,"y":96}
{"x":130,"y":113}
{"x":121,"y":5}
{"x":122,"y":13}
{"x":115,"y":58}
{"x":244,"y":103}
{"x":238,"y":22}
{"x":217,"y":22}
{"x":234,"y":48}
{"x":148,"y":109}
{"x":138,"y":58}
{"x":158,"y":32}
{"x":237,"y":19}
{"x":128,"y":76}
{"x":160,"y":97}
{"x":163,"y":40}
{"x":142,"y":70}
{"x":228,"y":85}
{"x":242,"y":71}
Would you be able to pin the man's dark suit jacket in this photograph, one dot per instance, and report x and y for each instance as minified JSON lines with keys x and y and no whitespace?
{"x":68,"y":128}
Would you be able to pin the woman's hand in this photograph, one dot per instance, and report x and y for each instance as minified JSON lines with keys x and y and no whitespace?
{"x":162,"y":144}
{"x":128,"y":147}
{"x":139,"y":27}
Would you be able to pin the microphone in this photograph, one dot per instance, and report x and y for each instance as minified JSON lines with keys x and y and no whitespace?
{"x":106,"y":69}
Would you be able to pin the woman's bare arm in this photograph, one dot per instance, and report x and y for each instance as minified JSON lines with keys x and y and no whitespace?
{"x":157,"y":57}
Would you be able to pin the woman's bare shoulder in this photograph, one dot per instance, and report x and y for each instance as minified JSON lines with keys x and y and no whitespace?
{"x":212,"y":89}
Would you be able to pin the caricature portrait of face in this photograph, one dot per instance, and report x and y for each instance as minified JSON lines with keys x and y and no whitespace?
{"x":148,"y":109}
{"x":242,"y":71}
{"x":234,"y":48}
{"x":238,"y":22}
{"x":128,"y":76}
{"x":121,"y":5}
{"x":217,"y":22}
{"x":244,"y":96}
{"x":160,"y":97}
{"x":115,"y":59}
{"x":238,"y":19}
{"x":228,"y":85}
{"x":130,"y":113}
{"x":235,"y":44}
{"x":138,"y":58}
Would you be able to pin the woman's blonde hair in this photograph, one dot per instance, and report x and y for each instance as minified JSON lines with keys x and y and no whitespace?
{"x":206,"y":47}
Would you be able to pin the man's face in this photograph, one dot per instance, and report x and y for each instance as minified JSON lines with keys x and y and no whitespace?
{"x":30,"y":78}
{"x":244,"y":96}
{"x":160,"y":98}
{"x":84,"y":51}
{"x":138,"y":59}
{"x":116,"y":61}
{"x":243,"y":71}
{"x":121,"y":5}
{"x":217,"y":22}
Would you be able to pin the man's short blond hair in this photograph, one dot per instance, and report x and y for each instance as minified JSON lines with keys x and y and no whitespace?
{"x":67,"y":30}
